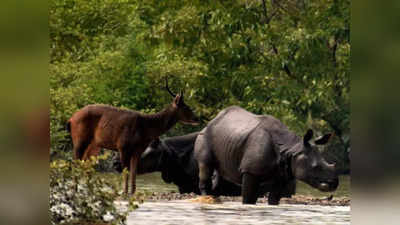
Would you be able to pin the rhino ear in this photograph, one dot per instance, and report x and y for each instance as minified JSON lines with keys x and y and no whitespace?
{"x":307,"y":137}
{"x":323,"y":139}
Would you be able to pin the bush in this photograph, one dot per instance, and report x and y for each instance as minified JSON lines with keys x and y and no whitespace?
{"x":78,"y":194}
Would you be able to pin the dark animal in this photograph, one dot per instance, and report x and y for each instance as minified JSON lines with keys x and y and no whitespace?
{"x":248,"y":149}
{"x":126,"y":131}
{"x":174,"y":158}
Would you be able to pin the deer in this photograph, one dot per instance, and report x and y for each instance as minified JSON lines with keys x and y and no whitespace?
{"x":127,"y":131}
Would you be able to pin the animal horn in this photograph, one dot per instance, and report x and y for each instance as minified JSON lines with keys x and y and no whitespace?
{"x":169,"y":91}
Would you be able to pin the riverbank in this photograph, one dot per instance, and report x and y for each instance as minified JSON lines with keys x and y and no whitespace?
{"x":296,"y":199}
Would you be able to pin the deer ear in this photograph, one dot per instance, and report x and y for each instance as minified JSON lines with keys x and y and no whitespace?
{"x":323,"y":139}
{"x":307,"y":137}
{"x":177,"y":99}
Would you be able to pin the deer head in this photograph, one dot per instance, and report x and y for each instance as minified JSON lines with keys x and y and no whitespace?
{"x":185,"y":114}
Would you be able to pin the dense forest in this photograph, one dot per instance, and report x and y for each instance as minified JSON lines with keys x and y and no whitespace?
{"x":289,"y":59}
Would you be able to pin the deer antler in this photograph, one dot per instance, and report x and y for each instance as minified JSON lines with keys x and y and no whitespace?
{"x":169,"y":91}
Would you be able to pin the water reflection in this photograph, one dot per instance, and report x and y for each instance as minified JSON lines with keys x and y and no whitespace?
{"x":186,"y":212}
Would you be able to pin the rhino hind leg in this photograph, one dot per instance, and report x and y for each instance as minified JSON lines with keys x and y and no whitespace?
{"x":216,"y":184}
{"x":250,"y":185}
{"x":205,"y":178}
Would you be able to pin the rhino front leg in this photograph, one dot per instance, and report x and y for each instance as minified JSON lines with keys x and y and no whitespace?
{"x":205,"y":181}
{"x":282,"y":189}
{"x":250,"y":184}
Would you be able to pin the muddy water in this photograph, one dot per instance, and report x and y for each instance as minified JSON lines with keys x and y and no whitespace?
{"x":186,"y":212}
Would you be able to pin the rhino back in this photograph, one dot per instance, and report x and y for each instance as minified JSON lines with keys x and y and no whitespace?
{"x":244,"y":142}
{"x":227,"y":135}
{"x":280,"y":133}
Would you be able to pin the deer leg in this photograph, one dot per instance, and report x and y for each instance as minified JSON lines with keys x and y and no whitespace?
{"x":92,"y":150}
{"x":134,"y":162}
{"x":126,"y":186}
{"x":124,"y":157}
{"x":80,"y":149}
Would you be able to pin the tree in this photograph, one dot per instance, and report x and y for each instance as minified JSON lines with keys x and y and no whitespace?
{"x":290,"y":59}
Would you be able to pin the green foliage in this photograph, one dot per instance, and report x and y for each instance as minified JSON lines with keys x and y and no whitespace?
{"x":291,"y":60}
{"x":77,"y":194}
{"x":77,"y":27}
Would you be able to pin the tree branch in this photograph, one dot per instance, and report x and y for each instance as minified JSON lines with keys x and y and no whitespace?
{"x":265,"y":10}
{"x":274,"y":48}
{"x":338,"y":132}
{"x":334,"y":48}
{"x":268,"y":19}
{"x":334,"y":61}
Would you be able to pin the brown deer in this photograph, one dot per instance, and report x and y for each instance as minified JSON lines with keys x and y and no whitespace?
{"x":126,"y":131}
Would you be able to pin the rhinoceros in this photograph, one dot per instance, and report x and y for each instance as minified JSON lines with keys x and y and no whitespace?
{"x":248,"y":149}
{"x":174,"y":158}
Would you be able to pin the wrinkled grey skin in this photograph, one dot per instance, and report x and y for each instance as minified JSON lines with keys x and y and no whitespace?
{"x":174,"y":158}
{"x":248,"y":150}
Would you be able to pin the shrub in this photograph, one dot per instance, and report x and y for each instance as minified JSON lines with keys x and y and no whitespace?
{"x":78,"y":194}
